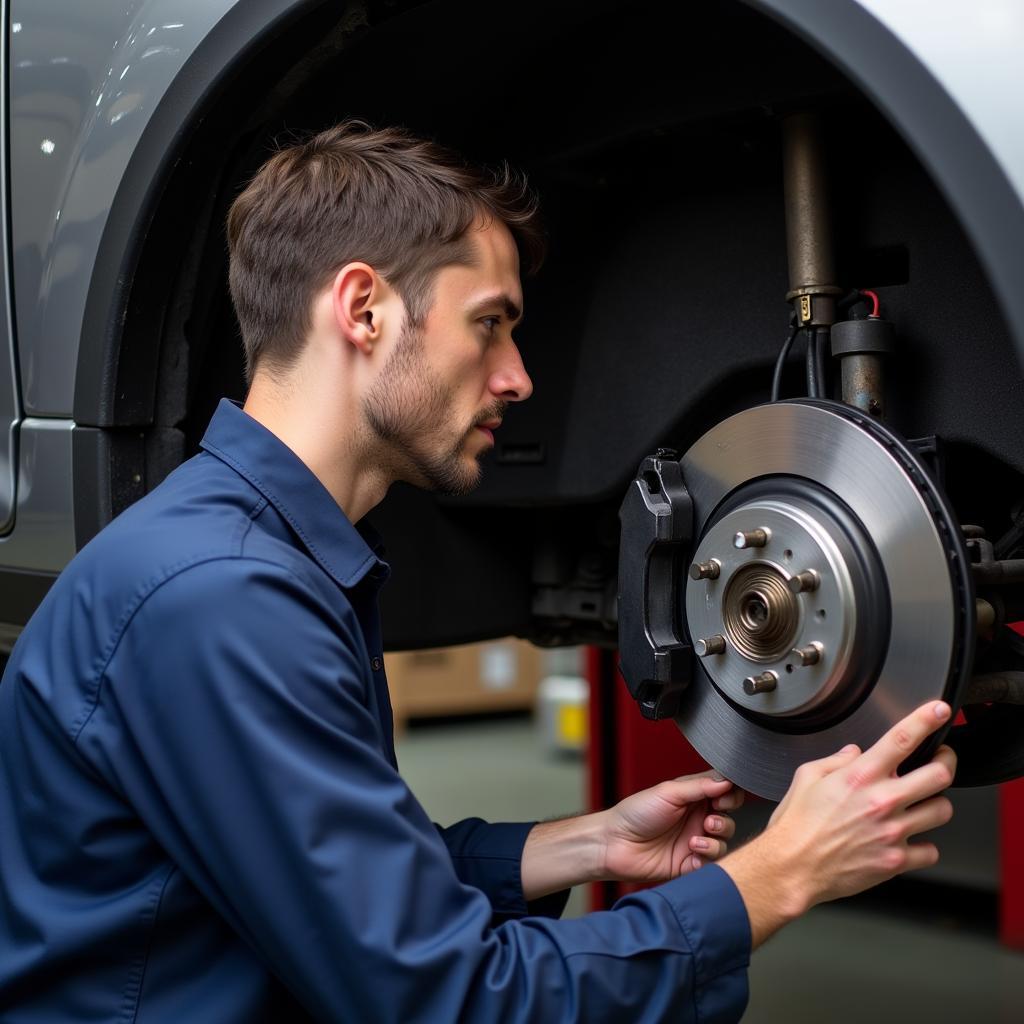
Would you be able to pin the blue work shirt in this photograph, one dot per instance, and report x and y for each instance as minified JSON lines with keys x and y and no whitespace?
{"x":201,"y":817}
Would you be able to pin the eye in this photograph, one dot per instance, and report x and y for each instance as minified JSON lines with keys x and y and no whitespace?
{"x":491,"y":323}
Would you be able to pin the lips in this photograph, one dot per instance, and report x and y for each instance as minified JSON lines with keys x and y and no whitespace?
{"x":488,"y":427}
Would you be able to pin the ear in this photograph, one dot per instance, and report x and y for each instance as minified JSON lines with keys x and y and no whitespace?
{"x":356,"y":293}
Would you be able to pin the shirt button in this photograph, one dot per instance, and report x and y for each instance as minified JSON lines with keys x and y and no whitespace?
{"x":376,"y":664}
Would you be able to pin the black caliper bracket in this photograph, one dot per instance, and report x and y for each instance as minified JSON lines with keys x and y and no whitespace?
{"x":657,"y":529}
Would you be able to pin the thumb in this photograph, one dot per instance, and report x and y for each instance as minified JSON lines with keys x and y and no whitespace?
{"x":690,"y":788}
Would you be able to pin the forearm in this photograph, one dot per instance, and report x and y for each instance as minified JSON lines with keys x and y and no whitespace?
{"x":563,"y":853}
{"x":571,"y":851}
{"x":770,"y":885}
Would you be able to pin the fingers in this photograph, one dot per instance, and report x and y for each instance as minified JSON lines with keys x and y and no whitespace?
{"x":731,"y":801}
{"x":690,"y":863}
{"x":719,"y":825}
{"x":708,"y":773}
{"x":923,"y":817}
{"x":900,"y":742}
{"x":827,"y":765}
{"x":921,"y":855}
{"x":947,"y":756}
{"x":724,"y":795}
{"x":926,"y":781}
{"x":707,"y":848}
{"x":690,"y":788}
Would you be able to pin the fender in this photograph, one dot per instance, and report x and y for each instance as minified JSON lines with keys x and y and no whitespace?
{"x":243,"y":30}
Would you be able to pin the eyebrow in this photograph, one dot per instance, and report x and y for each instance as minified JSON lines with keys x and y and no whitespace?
{"x":511,"y":310}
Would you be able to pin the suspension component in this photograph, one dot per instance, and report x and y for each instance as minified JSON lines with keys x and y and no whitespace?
{"x":860,"y":346}
{"x":812,"y":278}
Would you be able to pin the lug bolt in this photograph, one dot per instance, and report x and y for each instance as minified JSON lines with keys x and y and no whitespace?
{"x":764,"y":683}
{"x":710,"y":645}
{"x":752,"y":538}
{"x":708,"y":570}
{"x":805,"y":581}
{"x":809,"y":655}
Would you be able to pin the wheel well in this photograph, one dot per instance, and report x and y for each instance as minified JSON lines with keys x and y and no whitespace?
{"x":660,"y":310}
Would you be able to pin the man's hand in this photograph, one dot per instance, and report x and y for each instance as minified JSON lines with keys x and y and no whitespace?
{"x":657,"y":834}
{"x":670,"y":829}
{"x":845,"y":825}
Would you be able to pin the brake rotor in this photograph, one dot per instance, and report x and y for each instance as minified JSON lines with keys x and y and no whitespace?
{"x":829,"y":594}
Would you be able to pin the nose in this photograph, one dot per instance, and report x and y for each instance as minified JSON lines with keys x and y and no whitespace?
{"x":510,"y":380}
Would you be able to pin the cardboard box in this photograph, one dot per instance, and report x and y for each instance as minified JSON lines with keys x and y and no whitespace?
{"x":497,"y":675}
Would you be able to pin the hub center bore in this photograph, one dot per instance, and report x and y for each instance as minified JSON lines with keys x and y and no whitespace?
{"x":760,"y":614}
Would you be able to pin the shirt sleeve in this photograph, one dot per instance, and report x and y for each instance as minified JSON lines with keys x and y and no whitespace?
{"x":232,"y":717}
{"x":489,"y":857}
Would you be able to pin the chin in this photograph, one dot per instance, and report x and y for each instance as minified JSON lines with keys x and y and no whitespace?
{"x":459,"y":476}
{"x":469,"y":479}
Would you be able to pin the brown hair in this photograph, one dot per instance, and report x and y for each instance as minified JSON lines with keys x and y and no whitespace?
{"x":401,"y":204}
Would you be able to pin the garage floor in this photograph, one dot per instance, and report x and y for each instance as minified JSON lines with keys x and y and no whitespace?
{"x":851,"y":962}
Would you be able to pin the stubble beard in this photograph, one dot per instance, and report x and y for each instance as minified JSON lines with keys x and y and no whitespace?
{"x":408,"y":410}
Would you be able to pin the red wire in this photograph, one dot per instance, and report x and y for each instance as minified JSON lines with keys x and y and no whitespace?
{"x":873,"y":297}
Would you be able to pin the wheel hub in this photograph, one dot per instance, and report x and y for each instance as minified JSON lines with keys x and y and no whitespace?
{"x":785,"y":609}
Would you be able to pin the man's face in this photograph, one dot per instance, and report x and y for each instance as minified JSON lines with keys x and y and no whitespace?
{"x":446,"y":384}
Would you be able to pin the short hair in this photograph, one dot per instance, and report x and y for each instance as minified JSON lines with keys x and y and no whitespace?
{"x":401,"y":204}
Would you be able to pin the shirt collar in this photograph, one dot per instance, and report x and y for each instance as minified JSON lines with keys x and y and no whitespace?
{"x":345,"y":552}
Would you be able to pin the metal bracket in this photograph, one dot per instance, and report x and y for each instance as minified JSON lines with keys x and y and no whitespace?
{"x":932,"y":454}
{"x":657,"y":528}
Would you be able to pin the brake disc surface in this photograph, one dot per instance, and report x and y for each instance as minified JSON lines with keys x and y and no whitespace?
{"x":830,"y":593}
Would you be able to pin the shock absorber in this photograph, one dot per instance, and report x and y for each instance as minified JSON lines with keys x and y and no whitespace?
{"x":812,"y":286}
{"x":859,"y":345}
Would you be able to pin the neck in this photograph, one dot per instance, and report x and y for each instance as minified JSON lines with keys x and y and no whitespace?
{"x":325,"y":430}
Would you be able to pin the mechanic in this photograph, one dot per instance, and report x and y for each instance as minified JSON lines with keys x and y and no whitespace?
{"x":201,"y":816}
